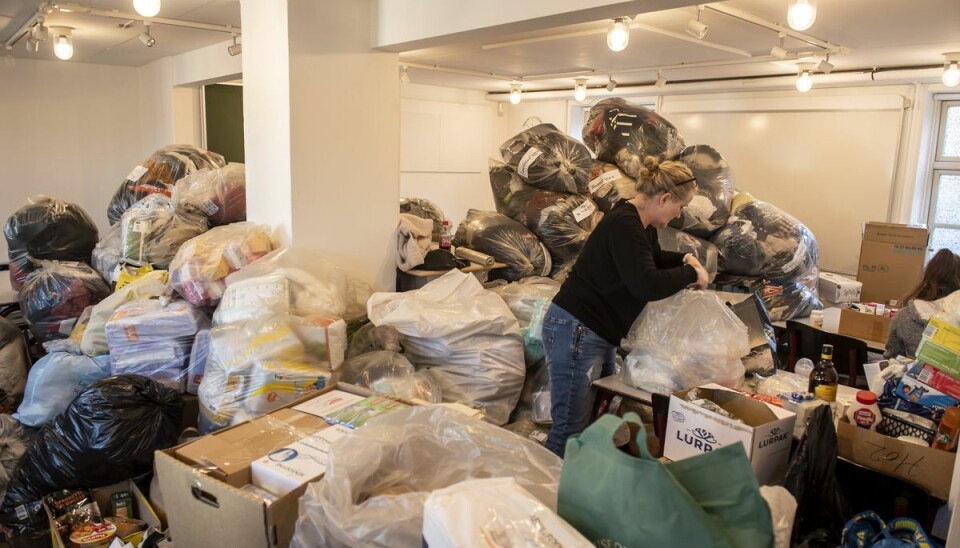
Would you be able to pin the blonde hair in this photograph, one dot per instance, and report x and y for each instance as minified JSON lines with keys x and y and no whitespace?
{"x":668,"y":177}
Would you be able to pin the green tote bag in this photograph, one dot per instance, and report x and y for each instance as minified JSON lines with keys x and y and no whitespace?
{"x":616,"y":498}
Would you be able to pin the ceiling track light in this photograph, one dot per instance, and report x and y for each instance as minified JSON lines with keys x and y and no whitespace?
{"x":825,"y":66}
{"x":235,"y":49}
{"x":696,"y":28}
{"x":32,"y":44}
{"x":40,"y":31}
{"x":515,"y":94}
{"x":801,"y":14}
{"x":611,"y":84}
{"x":951,"y":72}
{"x":62,"y":42}
{"x":618,"y":35}
{"x":404,"y":75}
{"x":804,"y":80}
{"x":661,"y":81}
{"x":147,"y":8}
{"x":580,"y":89}
{"x":146,"y":39}
{"x":778,"y":50}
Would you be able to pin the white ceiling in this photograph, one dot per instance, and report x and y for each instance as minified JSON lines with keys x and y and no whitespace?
{"x":871,"y":33}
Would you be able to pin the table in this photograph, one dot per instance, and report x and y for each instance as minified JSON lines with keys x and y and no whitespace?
{"x":415,"y":279}
{"x":611,"y":386}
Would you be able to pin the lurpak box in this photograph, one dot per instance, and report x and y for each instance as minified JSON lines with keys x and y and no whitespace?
{"x":766,"y":431}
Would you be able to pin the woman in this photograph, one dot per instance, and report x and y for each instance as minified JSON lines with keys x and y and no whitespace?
{"x":620,"y":269}
{"x":941,"y":277}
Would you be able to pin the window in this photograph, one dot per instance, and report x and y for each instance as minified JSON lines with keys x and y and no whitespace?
{"x":944,"y":216}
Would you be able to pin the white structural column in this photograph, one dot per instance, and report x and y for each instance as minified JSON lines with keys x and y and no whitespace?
{"x":322,"y":131}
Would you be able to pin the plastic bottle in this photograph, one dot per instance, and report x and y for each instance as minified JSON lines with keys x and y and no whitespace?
{"x":824,"y":378}
{"x":803,"y":367}
{"x":946,"y":438}
{"x":865,"y":413}
{"x":445,"y":236}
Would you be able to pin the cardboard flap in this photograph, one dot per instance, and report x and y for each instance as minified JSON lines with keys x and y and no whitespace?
{"x":752,"y":412}
{"x":890,"y":233}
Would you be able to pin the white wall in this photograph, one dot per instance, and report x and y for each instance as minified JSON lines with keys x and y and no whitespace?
{"x":69,"y":130}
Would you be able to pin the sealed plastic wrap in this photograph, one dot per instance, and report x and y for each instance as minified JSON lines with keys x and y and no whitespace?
{"x":561,"y":221}
{"x":94,"y":340}
{"x":14,"y":362}
{"x":47,"y":229}
{"x":623,"y":134}
{"x":529,"y":299}
{"x":464,"y":336}
{"x":107,"y":255}
{"x":783,"y":301}
{"x":219,"y":194}
{"x":390,"y":373}
{"x":199,"y":269}
{"x":608,"y":185}
{"x":379,"y":477}
{"x":549,"y":159}
{"x":371,"y":338}
{"x":287,"y":280}
{"x":157,"y":175}
{"x":151,"y":231}
{"x":108,"y":434}
{"x":54,"y":381}
{"x":15,"y":439}
{"x":710,"y":207}
{"x":783,"y":508}
{"x":507,"y":241}
{"x":684,"y":341}
{"x":425,"y":209}
{"x":54,"y":297}
{"x":671,"y":239}
{"x":199,"y":356}
{"x":494,"y":511}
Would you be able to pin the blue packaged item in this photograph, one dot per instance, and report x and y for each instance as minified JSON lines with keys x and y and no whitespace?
{"x":913,"y":390}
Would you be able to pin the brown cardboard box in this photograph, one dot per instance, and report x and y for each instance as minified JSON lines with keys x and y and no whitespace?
{"x":863,"y":326}
{"x":926,"y":467}
{"x":141,"y":508}
{"x":891,"y":260}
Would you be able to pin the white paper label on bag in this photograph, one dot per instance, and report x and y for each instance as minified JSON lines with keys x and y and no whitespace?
{"x":528,"y":158}
{"x":136,"y":174}
{"x":210,"y":208}
{"x":141,"y":226}
{"x":607,"y":177}
{"x":585,"y":210}
{"x":798,"y":257}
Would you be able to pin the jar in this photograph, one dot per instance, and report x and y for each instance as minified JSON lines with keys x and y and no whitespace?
{"x":865,"y":413}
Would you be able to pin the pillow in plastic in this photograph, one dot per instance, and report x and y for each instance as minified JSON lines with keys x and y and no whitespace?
{"x":54,"y":297}
{"x":507,"y":241}
{"x":549,"y":159}
{"x":219,"y":194}
{"x":624,"y":134}
{"x":54,"y":381}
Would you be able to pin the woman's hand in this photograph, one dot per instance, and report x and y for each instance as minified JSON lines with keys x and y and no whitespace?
{"x":703,"y":279}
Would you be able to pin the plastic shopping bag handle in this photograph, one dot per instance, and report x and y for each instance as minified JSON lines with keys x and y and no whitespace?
{"x":602,"y":432}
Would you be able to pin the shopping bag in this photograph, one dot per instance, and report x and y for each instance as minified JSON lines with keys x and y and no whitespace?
{"x":631,"y":499}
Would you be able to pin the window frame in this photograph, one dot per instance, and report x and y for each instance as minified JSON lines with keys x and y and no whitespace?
{"x":942,"y":165}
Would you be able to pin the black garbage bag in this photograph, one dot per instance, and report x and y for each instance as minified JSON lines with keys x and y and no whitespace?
{"x":108,"y":434}
{"x":54,"y":297}
{"x":671,"y":239}
{"x":608,"y":185}
{"x":624,"y":134}
{"x":425,"y":209}
{"x":822,"y":509}
{"x":710,"y":207}
{"x":507,"y":241}
{"x":15,"y":439}
{"x":549,"y":159}
{"x":158,"y":173}
{"x":504,"y":181}
{"x":47,"y":229}
{"x":561,"y":221}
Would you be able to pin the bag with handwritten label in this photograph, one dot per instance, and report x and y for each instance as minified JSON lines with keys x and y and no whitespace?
{"x":867,"y":530}
{"x":708,"y":500}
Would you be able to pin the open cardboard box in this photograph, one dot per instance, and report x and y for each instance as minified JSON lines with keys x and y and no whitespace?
{"x":141,"y":510}
{"x":766,"y":431}
{"x":863,"y":326}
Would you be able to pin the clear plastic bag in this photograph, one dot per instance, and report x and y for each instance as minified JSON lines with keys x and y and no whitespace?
{"x":54,"y":297}
{"x":94,"y":339}
{"x":528,"y":300}
{"x":371,"y":338}
{"x":199,"y":269}
{"x":465,"y":337}
{"x":504,"y":181}
{"x":286,"y":280}
{"x":506,"y":240}
{"x":561,"y":221}
{"x":671,"y":239}
{"x":684,"y":341}
{"x":379,"y":477}
{"x":157,"y":175}
{"x":15,"y":439}
{"x":219,"y":194}
{"x":152,"y":231}
{"x":549,"y":159}
{"x":710,"y":207}
{"x":386,"y":372}
{"x":425,"y":209}
{"x":535,"y":402}
{"x":54,"y":381}
{"x":783,"y":301}
{"x":47,"y":229}
{"x":107,"y":255}
{"x":608,"y":186}
{"x":623,"y":134}
{"x":14,"y":362}
{"x":199,"y":356}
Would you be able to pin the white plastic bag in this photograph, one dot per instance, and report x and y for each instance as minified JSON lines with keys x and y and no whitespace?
{"x":379,"y":477}
{"x":783,"y":510}
{"x":684,"y":341}
{"x":465,"y":337}
{"x":494,"y":511}
{"x":54,"y":381}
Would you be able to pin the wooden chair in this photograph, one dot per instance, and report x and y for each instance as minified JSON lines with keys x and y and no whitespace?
{"x":849,"y":354}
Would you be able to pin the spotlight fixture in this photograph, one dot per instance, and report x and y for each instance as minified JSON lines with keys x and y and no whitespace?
{"x":404,"y":75}
{"x":515,"y":94}
{"x":611,"y":84}
{"x":147,"y":8}
{"x":825,"y":66}
{"x":618,"y":35}
{"x":804,"y":80}
{"x":951,"y":73}
{"x":62,"y":42}
{"x":695,"y":28}
{"x":145,"y":37}
{"x":580,"y":89}
{"x":801,"y":14}
{"x":661,"y":81}
{"x":32,"y":44}
{"x":778,"y":50}
{"x":40,"y":32}
{"x":235,"y":49}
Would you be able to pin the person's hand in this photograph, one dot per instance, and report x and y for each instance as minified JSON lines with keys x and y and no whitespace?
{"x":703,"y":279}
{"x":692,"y":260}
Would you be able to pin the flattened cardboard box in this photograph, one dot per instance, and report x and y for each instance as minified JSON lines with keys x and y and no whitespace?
{"x":891,"y":260}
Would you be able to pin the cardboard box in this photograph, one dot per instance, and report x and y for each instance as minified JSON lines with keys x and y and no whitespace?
{"x":287,"y":468}
{"x":926,"y":467}
{"x":142,"y":510}
{"x":766,"y":431}
{"x":839,"y":289}
{"x":891,"y":260}
{"x":863,"y":326}
{"x":940,"y":345}
{"x":924,"y":385}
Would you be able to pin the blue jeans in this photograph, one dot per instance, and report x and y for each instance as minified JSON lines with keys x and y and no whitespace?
{"x":576,"y":356}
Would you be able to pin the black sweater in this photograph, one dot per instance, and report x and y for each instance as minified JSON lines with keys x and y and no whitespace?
{"x":620,"y":270}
